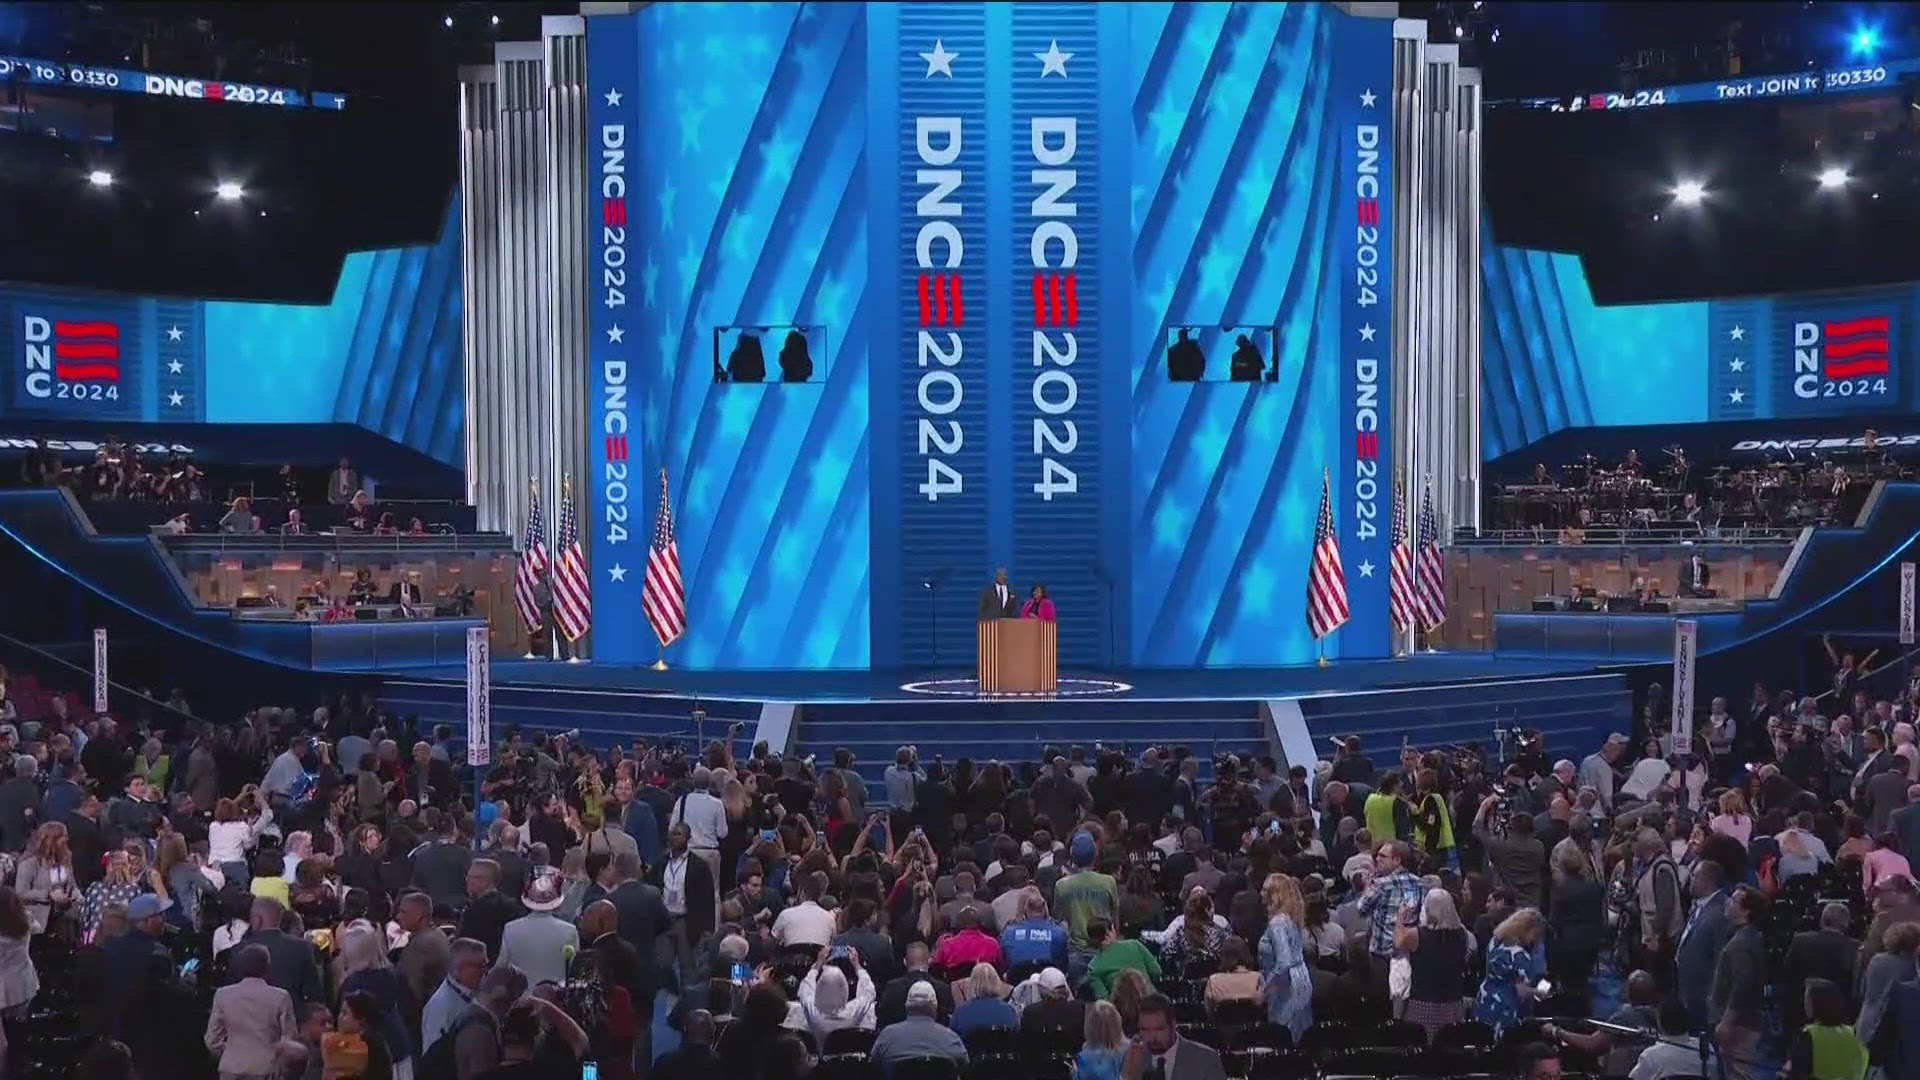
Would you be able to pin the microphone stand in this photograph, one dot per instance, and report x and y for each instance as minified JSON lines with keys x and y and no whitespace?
{"x":933,"y":621}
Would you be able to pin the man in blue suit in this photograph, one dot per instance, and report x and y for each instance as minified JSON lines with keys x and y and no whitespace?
{"x":1702,"y":939}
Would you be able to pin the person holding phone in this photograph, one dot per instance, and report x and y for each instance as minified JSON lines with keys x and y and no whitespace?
{"x":824,"y":996}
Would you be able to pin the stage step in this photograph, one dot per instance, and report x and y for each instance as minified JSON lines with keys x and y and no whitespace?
{"x":602,"y":718}
{"x":1015,"y":731}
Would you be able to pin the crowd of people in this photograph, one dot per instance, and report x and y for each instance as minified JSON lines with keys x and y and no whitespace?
{"x":331,"y":893}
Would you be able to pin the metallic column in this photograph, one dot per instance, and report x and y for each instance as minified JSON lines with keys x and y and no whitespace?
{"x":486,"y":434}
{"x":565,"y":377}
{"x":522,"y":263}
{"x":1409,"y":172}
{"x":1439,"y":346}
{"x":1466,"y":128}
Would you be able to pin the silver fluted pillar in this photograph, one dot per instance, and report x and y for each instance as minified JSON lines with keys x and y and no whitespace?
{"x":487,"y":433}
{"x":1439,"y":345}
{"x":563,"y":40}
{"x":1466,"y":139}
{"x":1409,"y":179}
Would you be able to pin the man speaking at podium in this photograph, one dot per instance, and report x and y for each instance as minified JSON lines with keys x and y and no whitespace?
{"x":997,"y":600}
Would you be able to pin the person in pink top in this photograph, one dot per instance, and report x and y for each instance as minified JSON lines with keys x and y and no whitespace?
{"x":968,"y":945}
{"x":1883,"y":862}
{"x":1037,"y":605}
{"x":1733,"y":819}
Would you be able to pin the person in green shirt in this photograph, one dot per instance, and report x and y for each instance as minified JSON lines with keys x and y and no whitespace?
{"x":1827,"y":1048}
{"x":1084,"y":895}
{"x":1117,"y":954}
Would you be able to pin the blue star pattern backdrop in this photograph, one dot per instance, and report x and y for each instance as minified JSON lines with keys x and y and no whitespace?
{"x":998,"y":213}
{"x":383,"y":354}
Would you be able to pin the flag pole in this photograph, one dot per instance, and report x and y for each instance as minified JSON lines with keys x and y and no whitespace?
{"x":1320,"y":645}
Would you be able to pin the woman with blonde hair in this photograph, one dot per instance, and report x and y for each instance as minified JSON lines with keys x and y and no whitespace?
{"x":44,"y":877}
{"x":1283,"y":962}
{"x":1104,"y":1045}
{"x":1733,"y":819}
{"x":1507,"y":991}
{"x":986,"y":1004}
{"x":1436,"y":947}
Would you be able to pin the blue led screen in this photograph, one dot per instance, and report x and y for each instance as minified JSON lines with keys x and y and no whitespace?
{"x":998,"y":214}
{"x":383,"y":354}
{"x":1554,"y":359}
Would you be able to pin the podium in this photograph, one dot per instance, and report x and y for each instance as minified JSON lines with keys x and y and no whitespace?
{"x":1018,"y":656}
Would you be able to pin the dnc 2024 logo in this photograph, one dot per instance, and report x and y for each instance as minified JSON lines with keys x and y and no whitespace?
{"x":71,"y":359}
{"x":1842,"y":358}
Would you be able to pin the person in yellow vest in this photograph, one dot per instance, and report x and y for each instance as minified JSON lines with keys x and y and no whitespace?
{"x":1388,"y":817}
{"x":1827,"y":1048}
{"x":1433,"y":823}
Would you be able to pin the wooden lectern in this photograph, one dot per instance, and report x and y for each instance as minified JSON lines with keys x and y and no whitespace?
{"x":1018,"y":656}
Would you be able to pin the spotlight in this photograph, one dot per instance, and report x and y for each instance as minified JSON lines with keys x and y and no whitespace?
{"x":100,"y":178}
{"x":1832,"y":177}
{"x":1496,"y":35}
{"x":228,"y":191}
{"x":1865,"y":40}
{"x":495,"y":20}
{"x":447,"y":22}
{"x":1689,"y":192}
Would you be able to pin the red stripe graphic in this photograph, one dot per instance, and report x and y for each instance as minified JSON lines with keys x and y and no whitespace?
{"x":1053,"y":299}
{"x":614,"y":212}
{"x":1073,"y":303}
{"x":86,"y":371}
{"x":926,"y":312}
{"x":1866,"y":346}
{"x":616,"y":448}
{"x":953,"y":301}
{"x":1875,"y":323}
{"x":1039,"y":308}
{"x":86,"y":330}
{"x":1366,"y":444}
{"x":81,"y":350}
{"x":215,"y":91}
{"x":1855,"y":368}
{"x":1369,"y":211}
{"x":940,"y":299}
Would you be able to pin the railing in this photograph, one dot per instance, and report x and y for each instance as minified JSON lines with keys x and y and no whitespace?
{"x":1598,"y":536}
{"x":356,"y":543}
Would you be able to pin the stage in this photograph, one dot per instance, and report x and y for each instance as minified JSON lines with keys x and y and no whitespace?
{"x":1142,"y":684}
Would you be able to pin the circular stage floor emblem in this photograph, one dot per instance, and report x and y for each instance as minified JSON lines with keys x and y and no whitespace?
{"x":970,"y":688}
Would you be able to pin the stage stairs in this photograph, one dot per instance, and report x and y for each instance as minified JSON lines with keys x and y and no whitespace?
{"x":1016,"y":731}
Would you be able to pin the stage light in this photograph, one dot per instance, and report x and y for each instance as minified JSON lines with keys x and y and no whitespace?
{"x":1495,"y":36}
{"x":228,"y":191}
{"x":447,"y":22}
{"x":1865,"y":40}
{"x":495,"y":20}
{"x":100,"y":178}
{"x":1832,"y":177}
{"x":1689,"y":192}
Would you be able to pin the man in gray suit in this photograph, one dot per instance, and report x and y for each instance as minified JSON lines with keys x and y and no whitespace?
{"x":1886,"y":792}
{"x":250,"y":1018}
{"x":1160,"y":1052}
{"x":997,"y":600}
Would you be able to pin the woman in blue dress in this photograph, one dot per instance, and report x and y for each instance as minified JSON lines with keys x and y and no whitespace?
{"x":1506,"y":993}
{"x":1283,"y":963}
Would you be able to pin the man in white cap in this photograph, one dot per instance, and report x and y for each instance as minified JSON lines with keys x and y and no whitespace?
{"x":920,"y":1035}
{"x":539,"y":942}
{"x":1596,"y":771}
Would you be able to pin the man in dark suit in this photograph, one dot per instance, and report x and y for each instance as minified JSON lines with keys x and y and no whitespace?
{"x":85,"y":840}
{"x":488,"y":909}
{"x":1696,"y":577}
{"x":1701,"y":939}
{"x":1160,"y":1052}
{"x":643,"y":919}
{"x":686,"y":888}
{"x":405,"y":590}
{"x":1736,"y":1002}
{"x":293,"y":967}
{"x":1878,"y":760}
{"x":997,"y":600}
{"x":1827,"y":953}
{"x":1885,"y":793}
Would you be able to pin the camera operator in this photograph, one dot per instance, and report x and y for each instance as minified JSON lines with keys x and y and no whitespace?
{"x":1515,"y":858}
{"x":1645,"y":902}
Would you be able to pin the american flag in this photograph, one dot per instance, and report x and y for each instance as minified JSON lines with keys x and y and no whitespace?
{"x":1429,"y":589}
{"x":1400,"y":572}
{"x":86,"y":350}
{"x":663,"y":597}
{"x":533,"y":563}
{"x":1326,"y":579}
{"x":572,"y":597}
